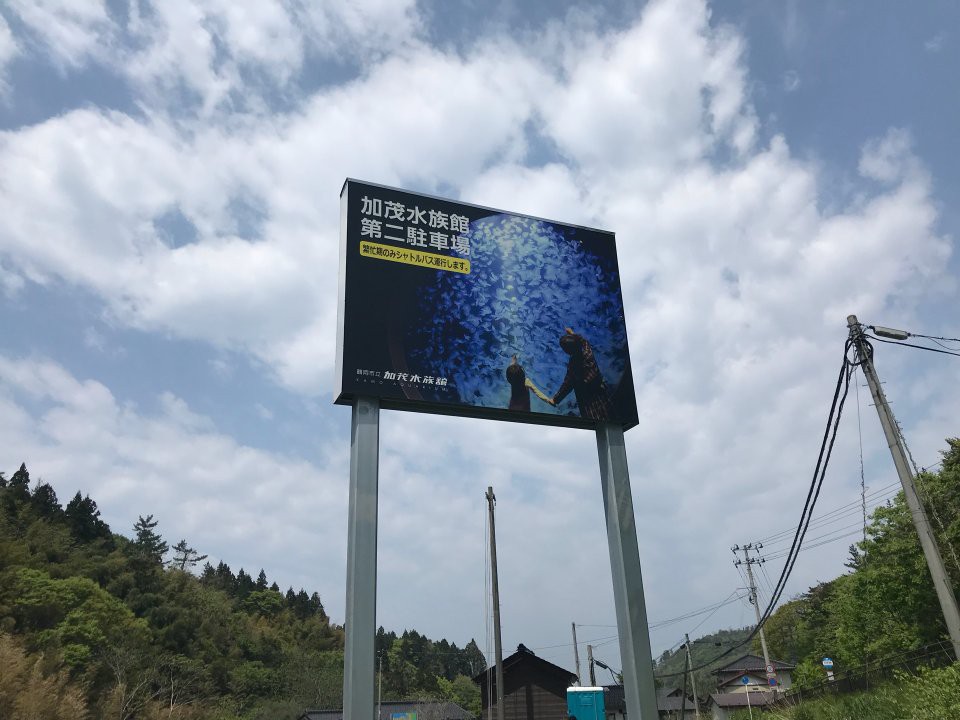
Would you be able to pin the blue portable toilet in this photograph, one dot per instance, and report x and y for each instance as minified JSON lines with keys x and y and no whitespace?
{"x":585,"y":703}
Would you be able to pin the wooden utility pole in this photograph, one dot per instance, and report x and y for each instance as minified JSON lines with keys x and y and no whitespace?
{"x":941,"y":581}
{"x":498,"y":649}
{"x":576,"y":652}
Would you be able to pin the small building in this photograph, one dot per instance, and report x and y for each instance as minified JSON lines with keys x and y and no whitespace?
{"x":533,"y":688}
{"x":402,"y":710}
{"x":722,"y":705}
{"x":730,"y":676}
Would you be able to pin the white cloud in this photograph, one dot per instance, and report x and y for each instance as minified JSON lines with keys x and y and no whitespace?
{"x":71,"y":31}
{"x":890,"y":158}
{"x":739,"y":266}
{"x":791,"y":81}
{"x":173,"y":463}
{"x":9,"y":49}
{"x":934,"y":44}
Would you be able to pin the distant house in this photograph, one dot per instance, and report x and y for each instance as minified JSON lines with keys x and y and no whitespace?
{"x":396,"y":710}
{"x":533,"y":688}
{"x":747,"y":675}
{"x":730,"y":676}
{"x":722,"y":705}
{"x":669,"y":703}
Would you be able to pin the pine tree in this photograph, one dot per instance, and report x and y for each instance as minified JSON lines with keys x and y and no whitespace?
{"x":45,"y":503}
{"x":83,"y":519}
{"x":185,"y":556}
{"x":262,"y":580}
{"x":245,"y":584}
{"x":149,"y":544}
{"x":20,"y":482}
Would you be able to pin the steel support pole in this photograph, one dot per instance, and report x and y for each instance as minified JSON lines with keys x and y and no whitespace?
{"x":361,"y":609}
{"x":941,"y":581}
{"x":498,"y":647}
{"x":638,"y":684}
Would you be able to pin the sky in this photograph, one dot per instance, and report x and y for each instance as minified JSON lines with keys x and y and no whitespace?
{"x":169,"y":193}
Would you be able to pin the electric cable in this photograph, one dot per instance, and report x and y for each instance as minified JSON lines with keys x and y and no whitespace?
{"x":813,"y":494}
{"x":911,"y":345}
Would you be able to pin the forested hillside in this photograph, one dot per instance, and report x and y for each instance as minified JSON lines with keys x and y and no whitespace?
{"x":886,"y":605}
{"x":883,"y":612}
{"x":670,"y":664}
{"x":95,"y":624}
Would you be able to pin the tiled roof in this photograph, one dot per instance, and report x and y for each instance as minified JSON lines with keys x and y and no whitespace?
{"x":752,"y":663}
{"x":737,"y":700}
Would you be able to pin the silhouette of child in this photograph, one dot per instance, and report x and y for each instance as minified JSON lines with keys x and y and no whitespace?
{"x":520,"y":387}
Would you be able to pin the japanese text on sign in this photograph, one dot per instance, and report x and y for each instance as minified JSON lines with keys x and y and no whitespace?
{"x":412,"y":257}
{"x":414,"y":226}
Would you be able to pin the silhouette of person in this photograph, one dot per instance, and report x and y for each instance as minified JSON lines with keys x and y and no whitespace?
{"x":520,"y":387}
{"x":583,"y":378}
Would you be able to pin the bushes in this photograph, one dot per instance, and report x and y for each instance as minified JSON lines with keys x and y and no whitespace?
{"x":931,"y":695}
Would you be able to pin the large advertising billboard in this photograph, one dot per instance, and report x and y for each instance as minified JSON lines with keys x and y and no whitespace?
{"x":458,"y":309}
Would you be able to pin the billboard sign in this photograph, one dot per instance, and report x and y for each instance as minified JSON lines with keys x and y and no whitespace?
{"x":452,"y":308}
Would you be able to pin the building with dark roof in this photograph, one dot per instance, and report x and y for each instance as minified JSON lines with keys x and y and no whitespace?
{"x":402,"y":710}
{"x":533,"y":688}
{"x":723,"y":705}
{"x":730,"y":676}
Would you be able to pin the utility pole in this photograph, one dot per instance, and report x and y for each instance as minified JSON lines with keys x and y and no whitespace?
{"x":683,"y":691}
{"x":593,"y":675}
{"x":576,"y":652}
{"x":491,"y":501}
{"x":749,"y":562}
{"x":380,"y":687}
{"x":941,"y":581}
{"x":693,"y":679}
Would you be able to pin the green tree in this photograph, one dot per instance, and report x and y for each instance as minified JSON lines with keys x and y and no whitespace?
{"x":185,"y":557}
{"x":19,"y":482}
{"x":83,"y":519}
{"x":148,"y":544}
{"x":44,"y":502}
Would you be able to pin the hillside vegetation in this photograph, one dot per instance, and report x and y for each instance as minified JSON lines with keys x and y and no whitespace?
{"x":880,"y":622}
{"x":94,"y":624}
{"x":886,"y":605}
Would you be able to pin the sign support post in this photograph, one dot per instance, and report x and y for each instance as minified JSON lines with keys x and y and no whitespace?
{"x":639,"y":688}
{"x":361,"y":606}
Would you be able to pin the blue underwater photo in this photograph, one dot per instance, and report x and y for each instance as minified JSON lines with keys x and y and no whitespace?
{"x":529,"y":281}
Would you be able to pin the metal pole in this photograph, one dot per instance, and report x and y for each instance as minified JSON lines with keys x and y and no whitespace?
{"x":941,"y":581}
{"x":640,"y":691}
{"x":361,"y":606}
{"x":491,"y":501}
{"x":576,"y":652}
{"x":593,"y":674}
{"x":693,"y":679}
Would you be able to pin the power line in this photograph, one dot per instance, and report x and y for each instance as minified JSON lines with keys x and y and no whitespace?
{"x":911,"y":345}
{"x":836,"y":514}
{"x":813,"y":494}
